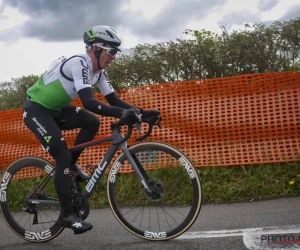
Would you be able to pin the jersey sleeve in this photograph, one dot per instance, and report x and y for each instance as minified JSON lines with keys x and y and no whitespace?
{"x":104,"y":84}
{"x":80,"y":72}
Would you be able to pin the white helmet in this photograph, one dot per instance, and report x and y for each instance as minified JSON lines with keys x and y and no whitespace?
{"x":103,"y":35}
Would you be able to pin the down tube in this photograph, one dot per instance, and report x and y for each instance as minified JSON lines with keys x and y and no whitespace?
{"x":90,"y":186}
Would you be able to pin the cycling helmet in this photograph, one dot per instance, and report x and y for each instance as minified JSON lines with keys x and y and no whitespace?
{"x":103,"y":35}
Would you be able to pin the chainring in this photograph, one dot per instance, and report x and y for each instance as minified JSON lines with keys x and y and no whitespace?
{"x":80,"y":205}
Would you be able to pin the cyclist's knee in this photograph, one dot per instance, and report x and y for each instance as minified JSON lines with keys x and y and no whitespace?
{"x":65,"y":157}
{"x":61,"y":155}
{"x":93,"y":123}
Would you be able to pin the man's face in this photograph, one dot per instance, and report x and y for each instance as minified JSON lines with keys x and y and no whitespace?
{"x":107,"y":57}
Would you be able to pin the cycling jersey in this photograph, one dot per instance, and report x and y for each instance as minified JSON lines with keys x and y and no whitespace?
{"x":59,"y":85}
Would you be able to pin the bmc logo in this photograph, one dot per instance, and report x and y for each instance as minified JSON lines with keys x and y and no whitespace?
{"x":95,"y":177}
{"x":85,"y":74}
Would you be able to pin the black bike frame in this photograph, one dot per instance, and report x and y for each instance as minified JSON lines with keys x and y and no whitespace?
{"x":96,"y":176}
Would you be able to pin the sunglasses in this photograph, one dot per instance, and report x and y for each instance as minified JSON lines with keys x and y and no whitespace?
{"x":111,"y":51}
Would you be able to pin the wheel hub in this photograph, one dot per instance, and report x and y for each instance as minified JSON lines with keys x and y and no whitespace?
{"x":157,"y":189}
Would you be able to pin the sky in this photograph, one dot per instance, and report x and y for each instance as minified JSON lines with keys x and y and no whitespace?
{"x":33,"y":33}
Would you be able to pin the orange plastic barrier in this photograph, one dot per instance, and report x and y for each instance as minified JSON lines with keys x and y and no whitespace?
{"x":246,"y":119}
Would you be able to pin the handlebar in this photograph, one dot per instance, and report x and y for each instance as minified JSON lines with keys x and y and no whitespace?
{"x":151,"y":121}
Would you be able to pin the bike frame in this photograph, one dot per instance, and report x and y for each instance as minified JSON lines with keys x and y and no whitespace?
{"x":98,"y":173}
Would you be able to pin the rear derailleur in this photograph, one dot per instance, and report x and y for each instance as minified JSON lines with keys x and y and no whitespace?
{"x":30,"y":208}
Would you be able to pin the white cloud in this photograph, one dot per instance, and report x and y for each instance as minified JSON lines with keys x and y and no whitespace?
{"x":211,"y":22}
{"x":278,"y":11}
{"x":11,"y":18}
{"x":238,"y":5}
{"x":30,"y":56}
{"x":149,"y":8}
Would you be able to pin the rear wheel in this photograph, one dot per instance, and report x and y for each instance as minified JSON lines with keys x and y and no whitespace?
{"x":30,"y":178}
{"x":175,"y":199}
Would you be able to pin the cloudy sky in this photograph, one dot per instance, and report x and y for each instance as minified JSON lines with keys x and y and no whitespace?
{"x":35,"y":32}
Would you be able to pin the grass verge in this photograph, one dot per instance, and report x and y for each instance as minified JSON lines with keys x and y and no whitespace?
{"x":220,"y":184}
{"x":235,"y":183}
{"x":251,"y":182}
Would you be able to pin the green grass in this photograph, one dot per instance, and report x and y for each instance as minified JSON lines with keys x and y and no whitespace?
{"x":19,"y":189}
{"x":220,"y":184}
{"x":129,"y":191}
{"x":226,"y":184}
{"x":251,"y":182}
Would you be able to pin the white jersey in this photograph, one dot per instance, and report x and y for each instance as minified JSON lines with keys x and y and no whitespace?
{"x":60,"y":84}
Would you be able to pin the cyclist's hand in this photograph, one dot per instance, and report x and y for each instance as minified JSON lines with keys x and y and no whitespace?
{"x":148,"y":113}
{"x":130,"y":116}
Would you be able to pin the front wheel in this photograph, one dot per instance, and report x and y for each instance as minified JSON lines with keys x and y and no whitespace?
{"x":175,"y":199}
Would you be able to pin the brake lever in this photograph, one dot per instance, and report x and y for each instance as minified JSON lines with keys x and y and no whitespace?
{"x":115,"y":125}
{"x":158,"y":123}
{"x":154,"y":120}
{"x":139,"y":128}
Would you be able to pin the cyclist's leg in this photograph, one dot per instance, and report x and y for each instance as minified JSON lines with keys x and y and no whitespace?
{"x":77,"y":117}
{"x":41,"y":122}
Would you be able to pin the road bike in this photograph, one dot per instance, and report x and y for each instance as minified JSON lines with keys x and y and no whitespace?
{"x":158,"y":197}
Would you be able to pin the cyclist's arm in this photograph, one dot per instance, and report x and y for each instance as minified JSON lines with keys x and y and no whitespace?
{"x":109,"y":93}
{"x":80,"y":73}
{"x":92,"y":104}
{"x":114,"y":100}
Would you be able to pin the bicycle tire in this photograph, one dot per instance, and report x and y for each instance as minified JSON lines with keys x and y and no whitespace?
{"x":190,"y":177}
{"x":9,"y":176}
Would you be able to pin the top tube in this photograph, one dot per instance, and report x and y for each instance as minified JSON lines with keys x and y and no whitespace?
{"x":103,"y":139}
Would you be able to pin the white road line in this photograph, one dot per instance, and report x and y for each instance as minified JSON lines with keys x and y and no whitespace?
{"x":252,"y":237}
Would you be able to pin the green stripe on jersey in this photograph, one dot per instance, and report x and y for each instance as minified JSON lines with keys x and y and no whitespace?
{"x":52,"y":95}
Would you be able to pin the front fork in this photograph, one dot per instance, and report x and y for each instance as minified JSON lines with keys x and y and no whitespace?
{"x":137,"y":166}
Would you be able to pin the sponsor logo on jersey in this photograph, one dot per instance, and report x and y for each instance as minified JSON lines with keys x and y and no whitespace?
{"x":85,"y":73}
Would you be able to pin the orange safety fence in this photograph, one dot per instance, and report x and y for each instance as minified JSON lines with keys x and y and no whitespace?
{"x":247,"y":119}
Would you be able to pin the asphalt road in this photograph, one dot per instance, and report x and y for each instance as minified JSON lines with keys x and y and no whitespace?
{"x":234,"y":226}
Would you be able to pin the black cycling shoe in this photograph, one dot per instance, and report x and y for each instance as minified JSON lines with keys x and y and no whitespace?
{"x":83,"y":176}
{"x":73,"y":222}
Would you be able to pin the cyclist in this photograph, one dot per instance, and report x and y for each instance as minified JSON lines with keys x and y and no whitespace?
{"x":47,"y":111}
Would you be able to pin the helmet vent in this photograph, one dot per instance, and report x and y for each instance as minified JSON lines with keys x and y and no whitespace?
{"x":113,"y":30}
{"x":110,"y":34}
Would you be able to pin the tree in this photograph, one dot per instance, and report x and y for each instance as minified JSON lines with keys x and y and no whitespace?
{"x":13,"y":93}
{"x":256,"y":49}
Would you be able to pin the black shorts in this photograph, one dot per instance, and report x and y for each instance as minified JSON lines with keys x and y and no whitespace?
{"x":47,"y":124}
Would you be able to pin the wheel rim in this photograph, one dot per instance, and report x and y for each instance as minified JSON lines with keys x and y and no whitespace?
{"x":167,"y":216}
